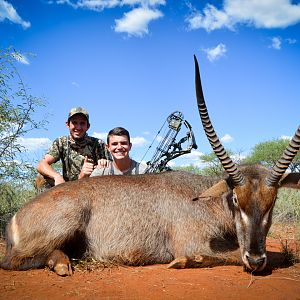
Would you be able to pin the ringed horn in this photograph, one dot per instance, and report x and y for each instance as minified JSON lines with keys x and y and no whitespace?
{"x":229,"y":166}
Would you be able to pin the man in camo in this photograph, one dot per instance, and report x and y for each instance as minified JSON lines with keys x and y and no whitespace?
{"x":78,"y":152}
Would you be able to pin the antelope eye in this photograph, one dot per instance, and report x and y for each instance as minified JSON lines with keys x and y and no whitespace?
{"x":235,"y":200}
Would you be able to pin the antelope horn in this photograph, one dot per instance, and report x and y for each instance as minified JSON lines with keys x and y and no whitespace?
{"x":229,"y":166}
{"x":282,"y":164}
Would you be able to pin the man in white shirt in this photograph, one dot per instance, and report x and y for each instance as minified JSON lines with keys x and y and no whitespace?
{"x":119,"y":146}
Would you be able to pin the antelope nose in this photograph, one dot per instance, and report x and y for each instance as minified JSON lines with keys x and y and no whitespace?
{"x":256,"y":262}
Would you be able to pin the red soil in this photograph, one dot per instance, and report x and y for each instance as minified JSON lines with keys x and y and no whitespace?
{"x":158,"y":282}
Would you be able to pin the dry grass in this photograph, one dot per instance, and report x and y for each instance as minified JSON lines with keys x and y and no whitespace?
{"x":288,"y":236}
{"x":291,"y":252}
{"x":90,"y":264}
{"x":286,"y":223}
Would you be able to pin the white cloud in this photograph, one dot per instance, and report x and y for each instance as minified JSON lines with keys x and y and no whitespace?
{"x":135,"y":22}
{"x":291,"y":41}
{"x":21,"y":58}
{"x":227,"y":138}
{"x":33,"y":144}
{"x":171,"y":163}
{"x":99,"y":5}
{"x":143,"y":2}
{"x":190,"y":159}
{"x":211,"y":20}
{"x":216,"y":52}
{"x":75,"y":83}
{"x":194,"y":155}
{"x":138,"y":141}
{"x":286,"y":137}
{"x":7,"y":11}
{"x":100,"y":135}
{"x":260,"y":14}
{"x":276,"y":43}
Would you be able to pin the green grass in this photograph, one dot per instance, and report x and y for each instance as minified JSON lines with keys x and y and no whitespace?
{"x":286,"y":223}
{"x":286,"y":214}
{"x":287,"y":206}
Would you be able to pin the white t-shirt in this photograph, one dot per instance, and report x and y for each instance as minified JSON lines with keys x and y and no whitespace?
{"x":110,"y":169}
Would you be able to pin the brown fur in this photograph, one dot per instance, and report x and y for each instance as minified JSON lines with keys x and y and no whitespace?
{"x":142,"y":219}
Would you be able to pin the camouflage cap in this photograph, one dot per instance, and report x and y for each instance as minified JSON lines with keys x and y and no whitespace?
{"x":78,"y":110}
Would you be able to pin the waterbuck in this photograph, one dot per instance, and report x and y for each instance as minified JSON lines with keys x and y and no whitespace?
{"x":173,"y":217}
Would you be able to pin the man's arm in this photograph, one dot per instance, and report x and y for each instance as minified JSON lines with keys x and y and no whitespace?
{"x":44,"y":167}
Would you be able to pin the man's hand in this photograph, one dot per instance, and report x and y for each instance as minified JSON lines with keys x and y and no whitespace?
{"x":58,"y":179}
{"x":102,"y":163}
{"x":45,"y":169}
{"x":87,"y":168}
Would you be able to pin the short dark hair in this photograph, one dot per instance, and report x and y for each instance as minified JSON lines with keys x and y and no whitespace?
{"x":118,"y":131}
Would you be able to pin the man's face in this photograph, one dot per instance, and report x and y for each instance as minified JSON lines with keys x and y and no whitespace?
{"x":119,"y":146}
{"x":78,"y":126}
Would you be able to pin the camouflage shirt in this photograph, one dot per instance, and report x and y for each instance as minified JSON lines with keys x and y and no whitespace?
{"x":72,"y":154}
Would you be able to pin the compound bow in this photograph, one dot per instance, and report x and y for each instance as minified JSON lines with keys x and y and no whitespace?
{"x":168,"y":148}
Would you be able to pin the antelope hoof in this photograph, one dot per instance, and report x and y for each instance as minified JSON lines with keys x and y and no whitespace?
{"x":187,"y":262}
{"x":63,"y":269}
{"x":60,"y":263}
{"x":178,"y":263}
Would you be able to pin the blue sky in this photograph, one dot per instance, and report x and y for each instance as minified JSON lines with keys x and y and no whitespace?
{"x":130,"y":63}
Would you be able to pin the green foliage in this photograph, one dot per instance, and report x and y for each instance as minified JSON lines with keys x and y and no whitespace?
{"x":286,"y":219}
{"x":287,"y":206}
{"x":190,"y":168}
{"x":17,"y":108}
{"x":12,"y":197}
{"x":17,"y":118}
{"x":267,"y":153}
{"x":213,"y":167}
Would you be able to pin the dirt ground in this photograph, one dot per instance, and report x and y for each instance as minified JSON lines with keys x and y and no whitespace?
{"x":280,"y":281}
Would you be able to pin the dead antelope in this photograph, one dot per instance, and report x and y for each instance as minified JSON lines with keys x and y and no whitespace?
{"x":172,"y":217}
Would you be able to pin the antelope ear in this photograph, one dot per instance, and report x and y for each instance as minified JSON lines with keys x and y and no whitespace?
{"x":216,"y":190}
{"x":290,"y":180}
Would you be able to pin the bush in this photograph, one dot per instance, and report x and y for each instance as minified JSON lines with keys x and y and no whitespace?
{"x":286,"y":217}
{"x":287,"y":206}
{"x":12,"y":197}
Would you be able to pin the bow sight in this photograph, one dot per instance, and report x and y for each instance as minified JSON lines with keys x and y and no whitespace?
{"x":168,"y":148}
